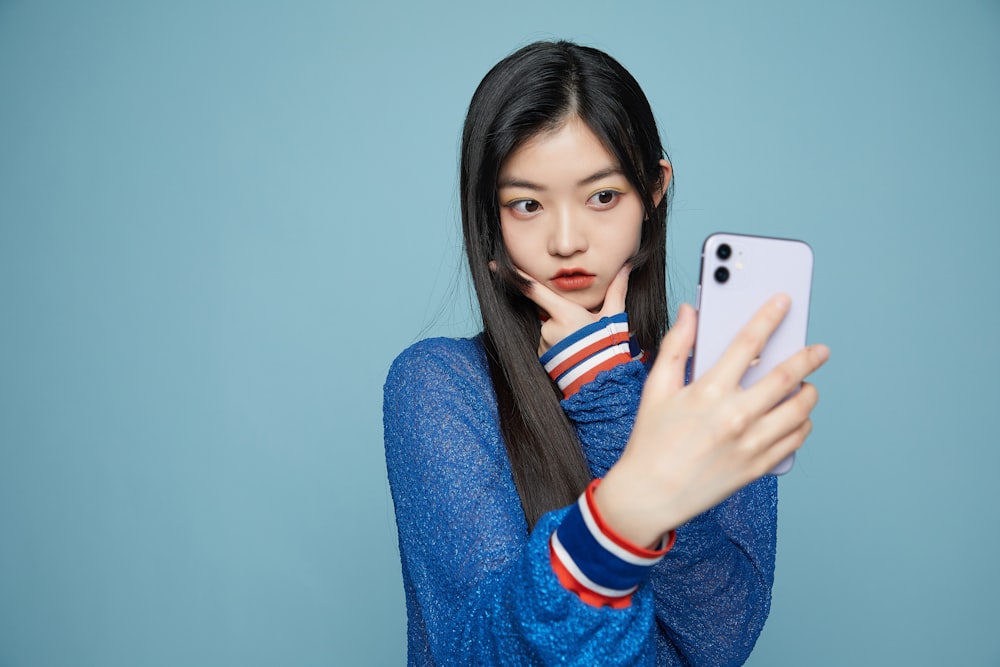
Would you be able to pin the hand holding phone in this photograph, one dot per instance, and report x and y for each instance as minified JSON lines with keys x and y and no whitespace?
{"x":739,"y":273}
{"x":694,"y":444}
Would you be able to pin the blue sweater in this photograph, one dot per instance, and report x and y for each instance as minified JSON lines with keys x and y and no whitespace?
{"x":480,"y":588}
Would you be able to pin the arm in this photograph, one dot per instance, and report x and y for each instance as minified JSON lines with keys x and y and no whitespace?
{"x":713,"y":591}
{"x":713,"y":588}
{"x":483,"y":587}
{"x":694,"y":460}
{"x":709,"y":445}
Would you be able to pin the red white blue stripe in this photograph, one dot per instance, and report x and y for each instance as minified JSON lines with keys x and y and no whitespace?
{"x":595,"y":563}
{"x":578,"y":358}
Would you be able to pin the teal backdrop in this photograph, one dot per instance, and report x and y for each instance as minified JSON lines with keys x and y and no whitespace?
{"x":220,"y":221}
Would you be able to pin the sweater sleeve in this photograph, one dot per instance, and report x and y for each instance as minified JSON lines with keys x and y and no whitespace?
{"x":596,"y":563}
{"x":583,"y":355}
{"x":713,"y":589}
{"x":480,"y":588}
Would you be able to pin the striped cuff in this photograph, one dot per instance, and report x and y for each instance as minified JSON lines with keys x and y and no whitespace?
{"x":578,"y":358}
{"x":591,"y":560}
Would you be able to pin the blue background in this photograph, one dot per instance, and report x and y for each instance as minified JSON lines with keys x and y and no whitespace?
{"x":220,"y":221}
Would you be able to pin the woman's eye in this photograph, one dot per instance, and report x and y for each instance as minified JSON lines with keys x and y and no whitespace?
{"x":604,"y":198}
{"x":524,"y":206}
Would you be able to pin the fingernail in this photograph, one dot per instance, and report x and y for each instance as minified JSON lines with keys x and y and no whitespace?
{"x":681,"y":314}
{"x":493,"y":266}
{"x":782,"y":301}
{"x":823,"y":352}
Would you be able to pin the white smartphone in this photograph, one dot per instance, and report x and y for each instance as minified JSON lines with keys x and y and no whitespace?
{"x":739,"y":274}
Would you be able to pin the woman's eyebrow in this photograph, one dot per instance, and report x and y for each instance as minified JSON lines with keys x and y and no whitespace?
{"x":519,"y":183}
{"x":603,"y":173}
{"x":528,"y":185}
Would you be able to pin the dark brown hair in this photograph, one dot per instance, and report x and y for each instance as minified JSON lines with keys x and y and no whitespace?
{"x":536,"y":89}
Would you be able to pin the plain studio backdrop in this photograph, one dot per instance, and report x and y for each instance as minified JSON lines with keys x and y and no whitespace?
{"x":220,"y":221}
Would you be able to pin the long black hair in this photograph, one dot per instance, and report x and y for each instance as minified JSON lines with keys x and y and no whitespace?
{"x":536,"y":89}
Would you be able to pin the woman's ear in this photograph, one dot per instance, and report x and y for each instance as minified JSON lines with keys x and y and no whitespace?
{"x":666,"y":173}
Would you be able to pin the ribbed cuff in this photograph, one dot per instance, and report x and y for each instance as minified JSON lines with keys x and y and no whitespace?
{"x":578,"y":358}
{"x":594,"y":562}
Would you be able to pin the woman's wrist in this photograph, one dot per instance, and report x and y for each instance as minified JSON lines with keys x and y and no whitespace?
{"x":581,"y":356}
{"x":632,"y":507}
{"x":592,"y":560}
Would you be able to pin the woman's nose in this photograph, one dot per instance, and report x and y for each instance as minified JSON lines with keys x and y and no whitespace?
{"x":568,"y":236}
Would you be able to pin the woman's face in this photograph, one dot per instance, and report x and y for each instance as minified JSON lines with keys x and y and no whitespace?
{"x":569,"y":217}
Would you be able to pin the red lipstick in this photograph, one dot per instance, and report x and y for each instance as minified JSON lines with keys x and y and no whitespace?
{"x":573,"y":279}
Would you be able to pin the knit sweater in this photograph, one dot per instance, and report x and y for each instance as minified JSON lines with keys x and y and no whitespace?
{"x":481,"y":589}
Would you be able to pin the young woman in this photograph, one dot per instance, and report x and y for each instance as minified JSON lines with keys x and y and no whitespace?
{"x":511,"y":554}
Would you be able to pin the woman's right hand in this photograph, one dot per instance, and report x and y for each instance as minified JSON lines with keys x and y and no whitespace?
{"x":693,"y":446}
{"x":562,"y":316}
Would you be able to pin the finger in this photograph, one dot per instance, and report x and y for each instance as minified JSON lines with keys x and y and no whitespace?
{"x":782,"y":449}
{"x":787,"y":376}
{"x":750,"y":341}
{"x":614,"y":299}
{"x":555,"y":305}
{"x":667,"y":374}
{"x":783,"y":420}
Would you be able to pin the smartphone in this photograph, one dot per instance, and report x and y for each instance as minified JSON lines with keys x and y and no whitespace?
{"x":739,"y":274}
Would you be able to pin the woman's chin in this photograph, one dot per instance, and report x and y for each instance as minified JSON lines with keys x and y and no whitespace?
{"x":593,"y":303}
{"x":590,"y":299}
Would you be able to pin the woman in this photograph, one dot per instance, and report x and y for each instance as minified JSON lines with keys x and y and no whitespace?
{"x":511,"y":554}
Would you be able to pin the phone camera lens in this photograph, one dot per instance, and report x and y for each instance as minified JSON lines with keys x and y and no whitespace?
{"x":724,"y":251}
{"x":721,"y":274}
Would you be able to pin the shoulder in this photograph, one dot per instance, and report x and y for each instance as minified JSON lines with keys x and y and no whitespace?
{"x":446,"y":370}
{"x":432,"y":358}
{"x":438,"y":401}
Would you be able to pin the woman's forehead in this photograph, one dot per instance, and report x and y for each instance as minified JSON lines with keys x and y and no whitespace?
{"x":570,"y":153}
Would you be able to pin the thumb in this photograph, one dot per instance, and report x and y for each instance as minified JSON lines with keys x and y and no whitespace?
{"x":667,"y":374}
{"x":614,"y":299}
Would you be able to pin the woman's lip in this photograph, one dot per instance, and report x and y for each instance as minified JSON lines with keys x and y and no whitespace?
{"x":571,"y":271}
{"x":569,"y":281}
